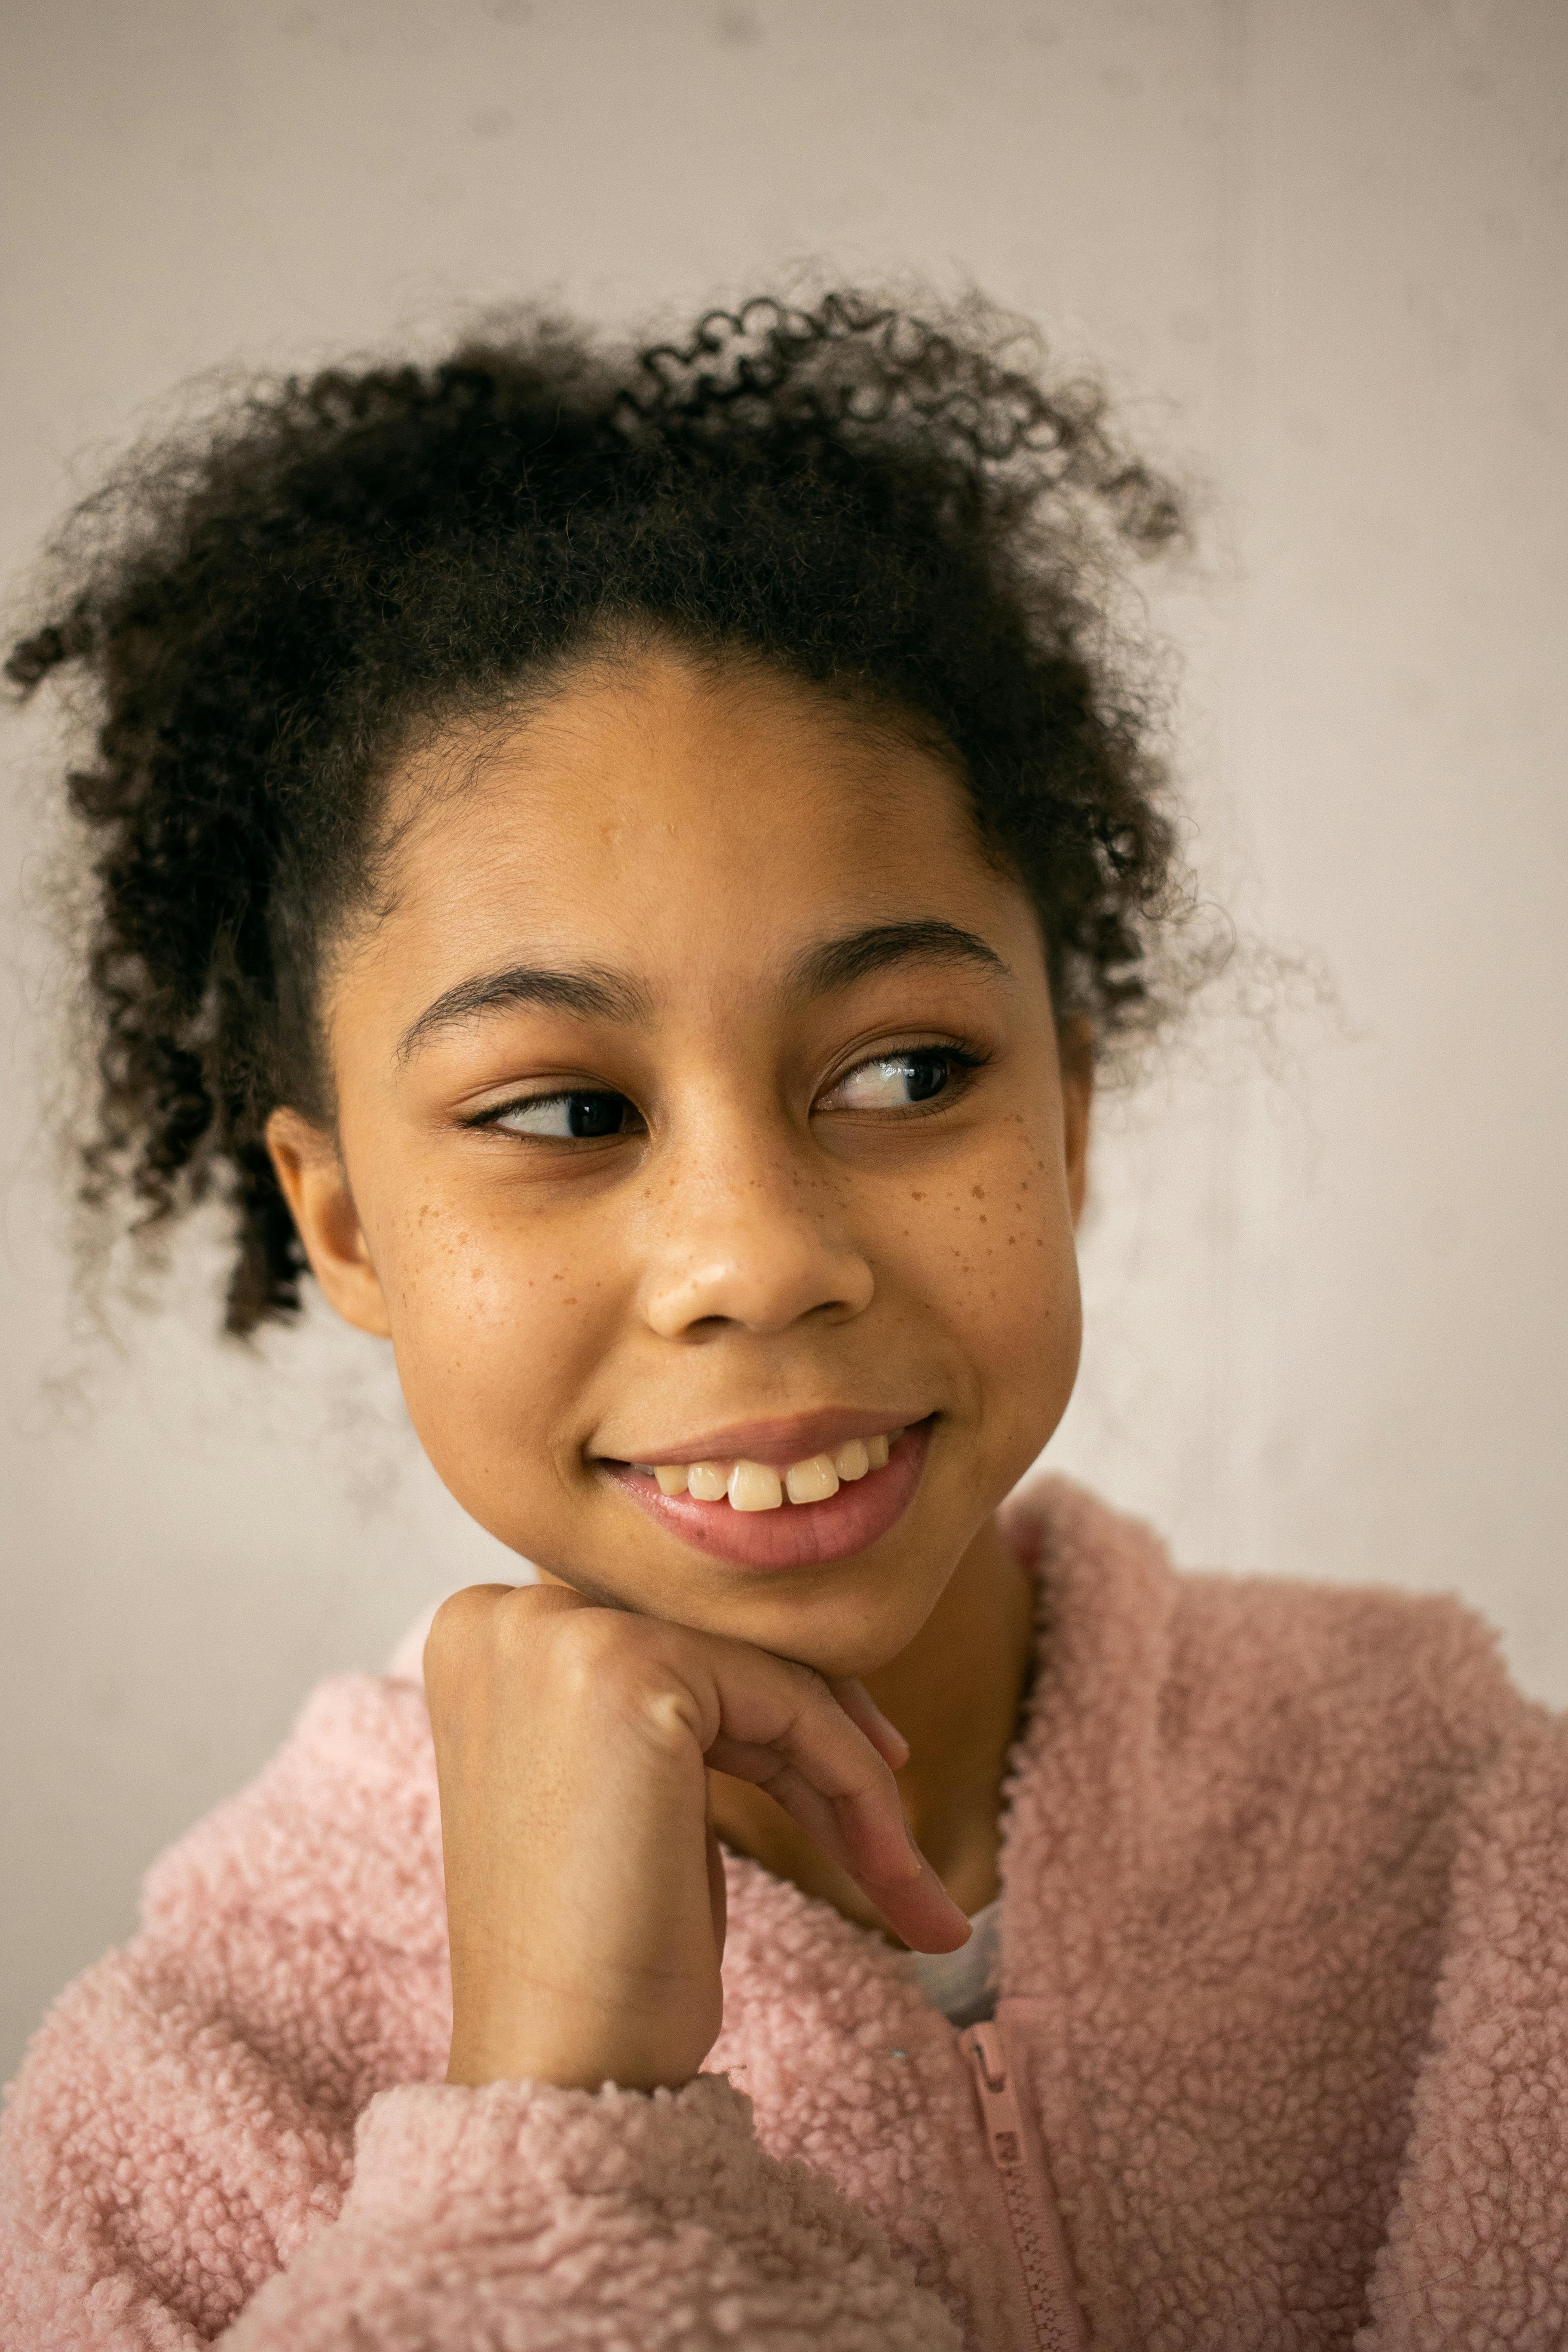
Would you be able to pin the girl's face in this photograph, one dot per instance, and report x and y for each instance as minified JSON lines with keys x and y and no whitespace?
{"x":699,"y":1101}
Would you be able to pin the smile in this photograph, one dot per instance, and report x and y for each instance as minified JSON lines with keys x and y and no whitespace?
{"x":757,"y":1486}
{"x":731,"y":1505}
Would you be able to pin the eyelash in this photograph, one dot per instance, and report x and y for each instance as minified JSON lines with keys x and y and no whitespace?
{"x":964,"y":1061}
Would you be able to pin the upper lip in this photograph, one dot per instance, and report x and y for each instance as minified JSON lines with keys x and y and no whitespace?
{"x":780,"y":1441}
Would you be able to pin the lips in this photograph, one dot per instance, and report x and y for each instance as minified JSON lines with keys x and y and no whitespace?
{"x":778,"y":1440}
{"x":759,"y":1534}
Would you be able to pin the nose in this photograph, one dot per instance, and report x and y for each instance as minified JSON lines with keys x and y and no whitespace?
{"x":755,"y":1246}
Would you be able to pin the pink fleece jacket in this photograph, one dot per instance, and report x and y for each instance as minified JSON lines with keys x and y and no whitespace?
{"x":1284,"y":1993}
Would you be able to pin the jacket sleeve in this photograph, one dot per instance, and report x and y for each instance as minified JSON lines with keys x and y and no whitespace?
{"x":1477,"y":2245}
{"x":144,"y":2169}
{"x":519,"y":2217}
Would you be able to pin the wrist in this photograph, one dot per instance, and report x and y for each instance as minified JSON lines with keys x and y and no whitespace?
{"x":569,"y":2055}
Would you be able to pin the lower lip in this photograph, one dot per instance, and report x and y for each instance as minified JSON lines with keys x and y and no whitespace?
{"x":797,"y":1535}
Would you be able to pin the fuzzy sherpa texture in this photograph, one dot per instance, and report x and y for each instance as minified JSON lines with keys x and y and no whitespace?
{"x":1284,"y":1973}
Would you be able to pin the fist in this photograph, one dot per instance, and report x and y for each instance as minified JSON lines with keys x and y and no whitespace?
{"x":585,"y":1889}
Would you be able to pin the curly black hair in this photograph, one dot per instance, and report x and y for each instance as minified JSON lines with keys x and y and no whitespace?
{"x":267,"y":609}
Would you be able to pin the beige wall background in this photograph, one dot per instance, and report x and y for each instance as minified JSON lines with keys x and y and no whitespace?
{"x":1319,"y":252}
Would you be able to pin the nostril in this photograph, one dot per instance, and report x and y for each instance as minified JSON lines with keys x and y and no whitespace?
{"x":770,"y":1277}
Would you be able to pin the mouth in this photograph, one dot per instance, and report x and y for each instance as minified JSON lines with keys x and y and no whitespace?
{"x":799,"y":1513}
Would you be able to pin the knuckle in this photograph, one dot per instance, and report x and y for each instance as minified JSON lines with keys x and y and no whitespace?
{"x":605,"y":1665}
{"x":601,"y":1654}
{"x":625,"y":1669}
{"x":668,"y":1713}
{"x":589,"y":1639}
{"x":807,"y":1687}
{"x":458,"y":1623}
{"x":483,"y":1628}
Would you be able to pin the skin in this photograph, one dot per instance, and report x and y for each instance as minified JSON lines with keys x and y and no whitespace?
{"x":759,"y":1241}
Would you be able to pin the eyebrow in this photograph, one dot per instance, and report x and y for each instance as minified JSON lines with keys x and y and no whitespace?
{"x":838,"y":963}
{"x":592,"y":993}
{"x":595,"y":994}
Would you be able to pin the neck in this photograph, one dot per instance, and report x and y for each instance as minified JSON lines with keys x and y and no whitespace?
{"x":954,"y":1694}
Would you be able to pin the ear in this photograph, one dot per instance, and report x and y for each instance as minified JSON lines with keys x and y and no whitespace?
{"x":1075,"y":1052}
{"x":316,"y":1187}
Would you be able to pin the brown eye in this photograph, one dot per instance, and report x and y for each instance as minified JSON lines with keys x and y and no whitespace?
{"x":892,"y":1082}
{"x":561,"y":1118}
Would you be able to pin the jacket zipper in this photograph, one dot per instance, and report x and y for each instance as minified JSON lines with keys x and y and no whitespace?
{"x":1025,"y":2193}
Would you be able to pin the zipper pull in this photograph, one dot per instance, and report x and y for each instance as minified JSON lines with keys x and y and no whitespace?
{"x":998,"y":2103}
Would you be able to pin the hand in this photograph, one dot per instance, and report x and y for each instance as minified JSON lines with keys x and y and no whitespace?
{"x":584,"y":1886}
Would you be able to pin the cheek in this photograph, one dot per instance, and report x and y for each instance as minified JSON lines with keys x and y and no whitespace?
{"x":992,"y":1248}
{"x":495,"y":1323}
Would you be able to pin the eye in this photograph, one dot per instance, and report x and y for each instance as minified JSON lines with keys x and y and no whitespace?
{"x":564,"y":1118}
{"x":900,"y":1081}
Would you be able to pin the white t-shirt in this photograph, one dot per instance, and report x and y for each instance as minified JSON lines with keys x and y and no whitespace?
{"x":963,"y":1984}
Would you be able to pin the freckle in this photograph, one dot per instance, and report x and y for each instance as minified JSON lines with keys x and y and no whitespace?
{"x":985,"y":1221}
{"x":917,"y":1196}
{"x":977,"y":1192}
{"x":569,"y":1302}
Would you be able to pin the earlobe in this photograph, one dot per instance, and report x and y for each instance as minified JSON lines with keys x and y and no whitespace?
{"x":315,"y":1184}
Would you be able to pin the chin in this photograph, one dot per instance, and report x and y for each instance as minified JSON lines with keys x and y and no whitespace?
{"x":834,"y":1637}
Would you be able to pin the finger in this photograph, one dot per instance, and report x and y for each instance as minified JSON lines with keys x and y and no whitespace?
{"x":822,"y":1769}
{"x":915,"y":1904}
{"x":922,"y":1913}
{"x":802,"y":1748}
{"x":781,"y":1727}
{"x":863,"y":1711}
{"x":804,"y":1804}
{"x":718,"y":1890}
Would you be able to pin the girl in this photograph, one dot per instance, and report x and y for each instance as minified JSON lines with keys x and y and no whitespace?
{"x":623,"y":869}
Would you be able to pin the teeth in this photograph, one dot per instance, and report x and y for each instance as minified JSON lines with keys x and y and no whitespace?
{"x":755,"y":1486}
{"x":813,"y":1481}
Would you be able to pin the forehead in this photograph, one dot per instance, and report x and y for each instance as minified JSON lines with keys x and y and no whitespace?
{"x":692,"y":820}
